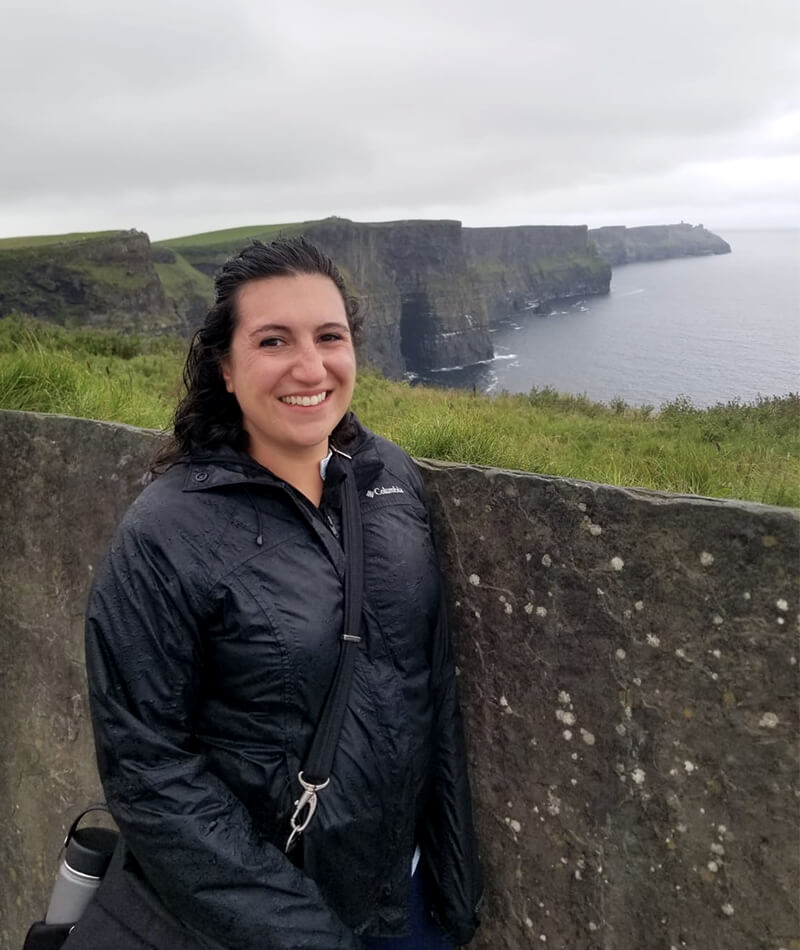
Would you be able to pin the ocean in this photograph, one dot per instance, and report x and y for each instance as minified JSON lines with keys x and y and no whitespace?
{"x":712,"y":329}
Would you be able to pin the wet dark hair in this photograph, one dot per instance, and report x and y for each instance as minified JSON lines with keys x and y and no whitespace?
{"x":208,"y":415}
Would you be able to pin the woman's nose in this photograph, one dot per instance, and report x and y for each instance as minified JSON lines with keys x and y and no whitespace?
{"x":309,"y":366}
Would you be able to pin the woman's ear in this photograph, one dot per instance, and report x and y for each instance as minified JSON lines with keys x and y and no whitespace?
{"x":225,"y":369}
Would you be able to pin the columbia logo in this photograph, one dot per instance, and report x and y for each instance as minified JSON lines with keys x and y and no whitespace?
{"x":391,"y":490}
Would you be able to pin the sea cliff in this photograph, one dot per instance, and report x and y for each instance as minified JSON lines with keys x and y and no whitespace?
{"x":429,"y":289}
{"x":107,"y":279}
{"x":420,"y":300}
{"x":620,"y":245}
{"x":524,"y":268}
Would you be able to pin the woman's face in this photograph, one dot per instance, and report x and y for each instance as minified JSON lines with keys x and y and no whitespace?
{"x":291,"y":365}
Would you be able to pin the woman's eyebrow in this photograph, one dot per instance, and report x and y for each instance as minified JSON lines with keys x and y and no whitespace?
{"x":270,"y":328}
{"x":286,"y":328}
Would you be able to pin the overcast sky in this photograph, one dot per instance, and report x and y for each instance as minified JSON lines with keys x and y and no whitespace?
{"x":176,"y":117}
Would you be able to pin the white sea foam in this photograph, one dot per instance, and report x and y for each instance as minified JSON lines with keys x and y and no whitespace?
{"x":453,"y":369}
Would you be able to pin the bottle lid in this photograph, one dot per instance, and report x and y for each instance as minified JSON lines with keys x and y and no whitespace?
{"x":89,"y":850}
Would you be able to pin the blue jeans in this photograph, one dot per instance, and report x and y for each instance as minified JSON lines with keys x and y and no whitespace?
{"x":425,"y":935}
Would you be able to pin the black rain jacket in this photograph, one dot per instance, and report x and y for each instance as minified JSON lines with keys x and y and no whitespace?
{"x":212,"y":636}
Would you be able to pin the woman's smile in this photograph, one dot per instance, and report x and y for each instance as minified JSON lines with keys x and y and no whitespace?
{"x":304,"y":400}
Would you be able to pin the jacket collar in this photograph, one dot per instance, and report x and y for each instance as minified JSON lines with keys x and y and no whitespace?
{"x":222,"y":467}
{"x":225,"y":466}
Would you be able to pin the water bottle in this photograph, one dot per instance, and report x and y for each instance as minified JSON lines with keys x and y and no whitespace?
{"x":87,"y":855}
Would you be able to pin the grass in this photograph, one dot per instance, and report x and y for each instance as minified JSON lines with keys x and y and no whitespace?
{"x":207,"y":251}
{"x":38,"y":240}
{"x":235,"y":236}
{"x":96,"y":374}
{"x":178,"y":278}
{"x":114,"y":276}
{"x":733,"y":450}
{"x":728,"y":451}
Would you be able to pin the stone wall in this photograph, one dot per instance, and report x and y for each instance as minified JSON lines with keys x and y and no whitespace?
{"x":628,"y":664}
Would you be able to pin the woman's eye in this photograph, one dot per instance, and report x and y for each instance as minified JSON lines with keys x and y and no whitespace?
{"x":271,"y":341}
{"x":330,"y":337}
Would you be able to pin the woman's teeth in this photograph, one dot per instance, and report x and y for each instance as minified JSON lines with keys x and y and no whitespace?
{"x":304,"y":400}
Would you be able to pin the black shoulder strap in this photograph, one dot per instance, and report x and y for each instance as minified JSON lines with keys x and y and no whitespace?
{"x":317,"y":769}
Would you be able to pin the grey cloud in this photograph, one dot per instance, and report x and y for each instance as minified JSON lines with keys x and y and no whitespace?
{"x":314,"y":108}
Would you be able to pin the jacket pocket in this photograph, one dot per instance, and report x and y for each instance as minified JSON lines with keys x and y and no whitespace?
{"x":126,"y":914}
{"x":99,"y":930}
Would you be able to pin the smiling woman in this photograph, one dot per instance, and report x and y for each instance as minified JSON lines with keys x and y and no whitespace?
{"x":294,"y":379}
{"x":215,"y":628}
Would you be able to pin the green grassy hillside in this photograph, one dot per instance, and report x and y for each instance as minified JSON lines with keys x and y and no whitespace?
{"x":97,"y":374}
{"x":728,"y":451}
{"x":101,"y":279}
{"x":39,"y":240}
{"x":234,"y":237}
{"x":189,"y":291}
{"x":104,"y":278}
{"x":177,"y":276}
{"x":207,"y":251}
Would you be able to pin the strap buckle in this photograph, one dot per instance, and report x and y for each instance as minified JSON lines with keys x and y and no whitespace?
{"x":304,"y":809}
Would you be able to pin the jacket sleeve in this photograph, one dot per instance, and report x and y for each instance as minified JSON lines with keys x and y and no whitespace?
{"x":447,"y":838}
{"x":192,"y":837}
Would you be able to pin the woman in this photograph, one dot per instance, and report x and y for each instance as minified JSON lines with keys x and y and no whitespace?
{"x":212,"y":638}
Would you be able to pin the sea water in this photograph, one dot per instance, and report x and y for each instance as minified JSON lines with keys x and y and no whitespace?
{"x":712,"y":329}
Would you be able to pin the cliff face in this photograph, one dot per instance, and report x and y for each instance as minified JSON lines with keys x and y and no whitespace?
{"x":189,"y":291}
{"x":106,"y":280}
{"x":522,"y":268}
{"x":421,"y":307}
{"x":429,"y":289}
{"x":620,"y":245}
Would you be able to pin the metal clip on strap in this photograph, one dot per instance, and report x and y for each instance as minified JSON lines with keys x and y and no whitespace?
{"x":319,"y":760}
{"x":307,"y":801}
